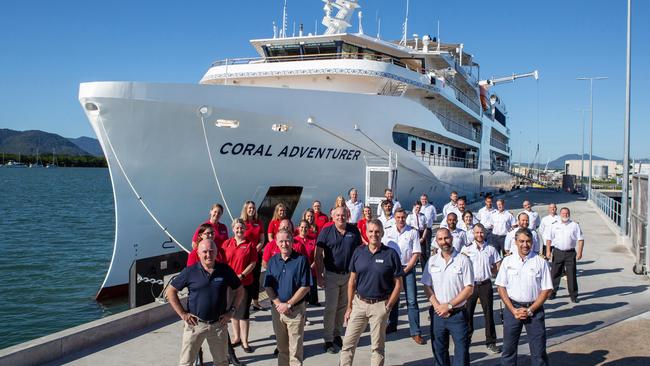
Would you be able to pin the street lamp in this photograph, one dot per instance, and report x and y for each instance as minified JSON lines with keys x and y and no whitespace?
{"x":591,"y":124}
{"x":582,"y":143}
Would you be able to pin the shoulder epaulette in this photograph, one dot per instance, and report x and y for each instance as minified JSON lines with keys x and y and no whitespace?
{"x":465,"y":254}
{"x":507,"y":254}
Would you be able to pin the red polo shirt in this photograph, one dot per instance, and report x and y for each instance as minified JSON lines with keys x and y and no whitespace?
{"x":240,"y":256}
{"x":254,"y":231}
{"x":361,"y":224}
{"x":320,"y":219}
{"x":193,"y":257}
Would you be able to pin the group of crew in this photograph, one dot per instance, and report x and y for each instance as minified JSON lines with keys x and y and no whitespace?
{"x":363,"y":263}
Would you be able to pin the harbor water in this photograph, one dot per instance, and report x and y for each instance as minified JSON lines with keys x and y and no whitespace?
{"x":56,"y":238}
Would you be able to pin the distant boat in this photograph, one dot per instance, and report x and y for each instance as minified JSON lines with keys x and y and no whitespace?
{"x":37,"y":164}
{"x":13,"y":164}
{"x":53,"y":164}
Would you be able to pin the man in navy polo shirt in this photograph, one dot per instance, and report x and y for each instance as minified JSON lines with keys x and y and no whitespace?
{"x":334,"y":248}
{"x":287,"y":284}
{"x":208,"y":312}
{"x":373,"y":289}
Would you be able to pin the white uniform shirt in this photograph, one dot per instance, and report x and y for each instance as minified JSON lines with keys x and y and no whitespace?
{"x":380,"y":211}
{"x":430,"y":213}
{"x":510,"y":245}
{"x":405,"y":243}
{"x":502,"y":222}
{"x":356,"y":210}
{"x":546,"y":224}
{"x":448,"y":279}
{"x":485,"y":216}
{"x":460,"y":239}
{"x":482,"y":260}
{"x":387,"y":223}
{"x":420,"y":222}
{"x":524,"y":279}
{"x":446,"y":209}
{"x":565,"y":236}
{"x":533,"y":219}
{"x":469,"y":231}
{"x":454,"y":209}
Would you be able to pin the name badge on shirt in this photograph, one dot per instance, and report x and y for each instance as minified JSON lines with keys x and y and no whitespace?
{"x":379,"y":261}
{"x":435,"y":269}
{"x":513,"y":271}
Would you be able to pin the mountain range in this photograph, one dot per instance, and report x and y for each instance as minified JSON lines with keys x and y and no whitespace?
{"x":34,"y":142}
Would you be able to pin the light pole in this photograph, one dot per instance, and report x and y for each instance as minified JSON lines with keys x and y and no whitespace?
{"x":591,"y":124}
{"x":626,"y":139}
{"x":582,"y":143}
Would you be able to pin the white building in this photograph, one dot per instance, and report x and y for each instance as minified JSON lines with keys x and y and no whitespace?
{"x":601,"y":169}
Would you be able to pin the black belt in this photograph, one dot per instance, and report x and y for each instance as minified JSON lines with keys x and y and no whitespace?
{"x":337,"y":271}
{"x":456,"y":310}
{"x":565,"y":251}
{"x":371,"y":301}
{"x":206,"y":321}
{"x":483,"y":282}
{"x":521,"y":304}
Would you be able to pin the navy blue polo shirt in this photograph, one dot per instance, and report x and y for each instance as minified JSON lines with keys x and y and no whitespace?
{"x":287,"y":277}
{"x":338,"y":248}
{"x":376,"y":272}
{"x":207,"y":292}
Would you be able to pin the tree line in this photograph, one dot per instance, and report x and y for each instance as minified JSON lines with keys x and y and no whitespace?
{"x":85,"y":161}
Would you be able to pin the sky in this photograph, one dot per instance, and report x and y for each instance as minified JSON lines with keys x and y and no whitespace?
{"x":48,"y":47}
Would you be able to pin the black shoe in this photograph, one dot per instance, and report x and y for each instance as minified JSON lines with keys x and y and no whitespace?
{"x":338,"y":341}
{"x":232,"y":358}
{"x":575,"y":300}
{"x":329,"y":348}
{"x":553,"y":295}
{"x":390,"y":330}
{"x":248,"y":349}
{"x":276,"y":352}
{"x":258,"y":308}
{"x":493,"y":348}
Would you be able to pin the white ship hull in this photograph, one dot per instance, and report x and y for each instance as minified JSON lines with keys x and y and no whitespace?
{"x":154,"y":141}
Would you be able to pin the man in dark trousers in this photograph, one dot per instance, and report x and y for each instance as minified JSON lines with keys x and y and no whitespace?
{"x":566,"y":239}
{"x":210,"y":304}
{"x":334,"y":248}
{"x":524,"y":284}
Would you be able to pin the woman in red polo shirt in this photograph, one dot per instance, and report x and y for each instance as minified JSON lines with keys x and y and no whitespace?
{"x":308,"y":216}
{"x":361,"y":224}
{"x":254,"y":234}
{"x":320,"y":219}
{"x":279,"y":214}
{"x":220,"y":230}
{"x":310,"y":248}
{"x":241,"y":256}
{"x":205,"y":231}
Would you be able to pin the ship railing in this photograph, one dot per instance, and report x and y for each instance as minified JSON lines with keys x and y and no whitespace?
{"x":463,"y":97}
{"x":609,"y":206}
{"x":445,"y":160}
{"x":321,"y":56}
{"x":457,"y":128}
{"x":499,"y":144}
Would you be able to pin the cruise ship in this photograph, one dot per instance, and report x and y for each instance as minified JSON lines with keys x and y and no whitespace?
{"x":309,"y":118}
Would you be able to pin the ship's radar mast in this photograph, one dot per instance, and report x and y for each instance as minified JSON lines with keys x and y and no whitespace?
{"x":341,"y":21}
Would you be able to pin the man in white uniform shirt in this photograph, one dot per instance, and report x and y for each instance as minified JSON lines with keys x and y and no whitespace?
{"x":458,"y":235}
{"x":548,"y":221}
{"x":485,"y":262}
{"x":484,"y":215}
{"x":522,"y":223}
{"x":502,"y":223}
{"x":355,"y":206}
{"x":387,"y":219}
{"x":566,"y":239}
{"x":429,"y":212}
{"x":524,"y":284}
{"x":453,"y":196}
{"x":428,"y":209}
{"x":388,"y":195}
{"x":458,"y":209}
{"x":533,"y":217}
{"x":448,"y":282}
{"x":406,"y":242}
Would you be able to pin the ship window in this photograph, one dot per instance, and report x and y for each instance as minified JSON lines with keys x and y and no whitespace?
{"x":439,"y":150}
{"x":423,"y":147}
{"x":446,"y":151}
{"x":413,"y":145}
{"x":348,"y":48}
{"x":320,"y":48}
{"x":284,"y":50}
{"x":431,"y":149}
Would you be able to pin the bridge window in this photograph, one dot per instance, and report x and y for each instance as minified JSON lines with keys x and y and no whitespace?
{"x":423,"y":148}
{"x":439,"y":150}
{"x":320,"y":48}
{"x":413,"y":145}
{"x":284,"y":50}
{"x":431,"y":151}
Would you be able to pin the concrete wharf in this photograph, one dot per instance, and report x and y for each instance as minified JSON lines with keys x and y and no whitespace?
{"x":608,"y":326}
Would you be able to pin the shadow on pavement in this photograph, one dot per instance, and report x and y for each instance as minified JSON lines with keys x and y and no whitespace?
{"x":598,"y":357}
{"x":611,"y":291}
{"x":583,"y":309}
{"x":595,"y":272}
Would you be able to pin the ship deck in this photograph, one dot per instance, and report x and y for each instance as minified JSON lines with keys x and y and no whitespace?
{"x":607,"y":326}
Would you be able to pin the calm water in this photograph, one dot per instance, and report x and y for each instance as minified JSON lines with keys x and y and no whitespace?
{"x":56,"y":241}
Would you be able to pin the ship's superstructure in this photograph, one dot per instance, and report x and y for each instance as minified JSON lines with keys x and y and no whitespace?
{"x":311,"y":117}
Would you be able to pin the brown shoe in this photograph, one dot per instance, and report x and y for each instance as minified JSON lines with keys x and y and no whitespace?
{"x":419,"y":340}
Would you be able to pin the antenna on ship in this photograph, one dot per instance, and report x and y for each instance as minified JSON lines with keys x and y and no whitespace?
{"x":360,"y":25}
{"x":378,"y":20}
{"x":283,"y":31}
{"x":300,"y":30}
{"x":438,"y":38}
{"x":275,"y":30}
{"x":293,"y":33}
{"x":405,"y":26}
{"x":339,"y":23}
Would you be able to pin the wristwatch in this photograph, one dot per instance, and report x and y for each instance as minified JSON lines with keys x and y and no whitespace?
{"x":529,"y":312}
{"x":450,"y":306}
{"x":232,"y":309}
{"x":288,"y":306}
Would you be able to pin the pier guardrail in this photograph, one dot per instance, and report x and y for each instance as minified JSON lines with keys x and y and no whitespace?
{"x":609,"y":206}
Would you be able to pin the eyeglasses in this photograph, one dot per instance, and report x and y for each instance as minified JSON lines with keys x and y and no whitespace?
{"x":208,"y":233}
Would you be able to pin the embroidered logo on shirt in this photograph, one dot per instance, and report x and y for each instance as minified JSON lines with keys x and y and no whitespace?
{"x":379,"y":261}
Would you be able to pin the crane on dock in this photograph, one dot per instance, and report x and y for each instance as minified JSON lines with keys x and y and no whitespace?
{"x":508,"y":79}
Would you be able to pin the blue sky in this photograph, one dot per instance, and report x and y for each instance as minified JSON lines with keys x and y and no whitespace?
{"x":49,"y":47}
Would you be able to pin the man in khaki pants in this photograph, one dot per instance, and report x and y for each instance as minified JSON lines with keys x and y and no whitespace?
{"x":287,"y":283}
{"x":208,"y":313}
{"x":375,"y":283}
{"x":334,"y":248}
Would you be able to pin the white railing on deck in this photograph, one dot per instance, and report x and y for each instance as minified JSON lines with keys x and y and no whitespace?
{"x":445,"y":160}
{"x":609,"y":206}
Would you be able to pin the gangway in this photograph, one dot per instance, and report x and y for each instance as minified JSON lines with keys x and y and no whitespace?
{"x":381,"y":173}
